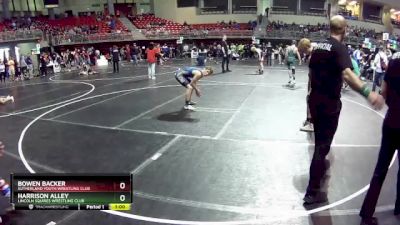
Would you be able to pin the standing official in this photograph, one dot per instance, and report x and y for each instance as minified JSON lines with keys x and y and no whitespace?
{"x":390,"y":142}
{"x":330,"y":64}
{"x":225,"y":55}
{"x":115,"y":58}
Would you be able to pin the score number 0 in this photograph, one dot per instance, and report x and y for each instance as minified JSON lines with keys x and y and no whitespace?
{"x":122,"y":186}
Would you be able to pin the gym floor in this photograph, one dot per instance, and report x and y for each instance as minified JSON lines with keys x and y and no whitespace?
{"x":238,"y":159}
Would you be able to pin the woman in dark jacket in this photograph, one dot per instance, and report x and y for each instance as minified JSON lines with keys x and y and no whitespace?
{"x":390,"y":142}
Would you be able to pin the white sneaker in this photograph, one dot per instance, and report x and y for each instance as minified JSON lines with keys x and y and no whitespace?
{"x":10,"y":98}
{"x":189,"y":107}
{"x":307,"y":127}
{"x":153,"y":78}
{"x":149,"y":77}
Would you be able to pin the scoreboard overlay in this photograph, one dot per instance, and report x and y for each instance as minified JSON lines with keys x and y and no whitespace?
{"x":71,"y":191}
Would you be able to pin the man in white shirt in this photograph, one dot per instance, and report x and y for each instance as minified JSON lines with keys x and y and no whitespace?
{"x":380,"y":62}
{"x":260,"y":55}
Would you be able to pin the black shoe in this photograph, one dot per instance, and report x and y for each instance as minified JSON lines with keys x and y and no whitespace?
{"x":369,"y":221}
{"x":396,"y":210}
{"x":319,"y":197}
{"x":228,"y":70}
{"x":223,"y":71}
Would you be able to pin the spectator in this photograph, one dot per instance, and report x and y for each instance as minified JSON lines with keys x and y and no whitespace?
{"x":11,"y":68}
{"x":29,"y":64}
{"x":269,"y":54}
{"x":381,"y":62}
{"x":43,"y":65}
{"x":151,"y":60}
{"x":226,"y":54}
{"x":23,"y":65}
{"x":115,"y":59}
{"x":2,"y":71}
{"x":135,"y":53}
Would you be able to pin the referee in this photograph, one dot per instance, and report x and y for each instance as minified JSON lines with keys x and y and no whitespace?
{"x":226,"y":54}
{"x":115,"y":58}
{"x":330,"y":64}
{"x":390,"y":142}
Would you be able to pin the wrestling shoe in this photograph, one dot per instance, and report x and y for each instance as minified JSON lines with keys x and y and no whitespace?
{"x":316,"y":198}
{"x":189,"y":107}
{"x":397,"y":209}
{"x":307,"y":127}
{"x":11,"y":98}
{"x":369,"y":221}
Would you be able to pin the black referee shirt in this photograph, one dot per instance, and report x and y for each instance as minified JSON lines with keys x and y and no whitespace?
{"x":115,"y":55}
{"x":328,"y":60}
{"x":392,"y":79}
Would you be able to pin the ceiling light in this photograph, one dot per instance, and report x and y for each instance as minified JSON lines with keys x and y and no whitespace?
{"x":342,"y":2}
{"x":392,"y":10}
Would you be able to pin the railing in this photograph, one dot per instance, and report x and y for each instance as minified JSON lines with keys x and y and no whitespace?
{"x":275,"y":34}
{"x":313,"y":36}
{"x":213,"y":10}
{"x":198,"y":34}
{"x":245,"y":10}
{"x":69,"y":39}
{"x":282,"y":10}
{"x":20,"y":35}
{"x":291,"y":35}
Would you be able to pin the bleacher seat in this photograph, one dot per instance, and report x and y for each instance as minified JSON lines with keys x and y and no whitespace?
{"x":72,"y":22}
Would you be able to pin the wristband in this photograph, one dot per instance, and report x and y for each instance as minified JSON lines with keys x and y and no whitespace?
{"x":365,"y":91}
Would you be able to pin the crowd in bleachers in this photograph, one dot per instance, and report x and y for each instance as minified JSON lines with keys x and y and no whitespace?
{"x":321,"y":28}
{"x":83,"y":25}
{"x":154,"y":26}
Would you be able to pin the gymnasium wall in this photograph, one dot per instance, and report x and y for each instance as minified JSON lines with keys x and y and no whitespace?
{"x":312,"y":20}
{"x":80,"y":6}
{"x":190,"y":16}
{"x":377,"y":27}
{"x":144,"y":6}
{"x":74,"y":5}
{"x":168,"y":9}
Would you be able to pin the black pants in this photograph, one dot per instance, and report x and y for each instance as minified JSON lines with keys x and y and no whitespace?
{"x":116,"y":66}
{"x":3,"y":77}
{"x":325,"y":114}
{"x":269,"y":60}
{"x":225,"y":60}
{"x":43,"y":70}
{"x":309,"y":117}
{"x":390,"y":142}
